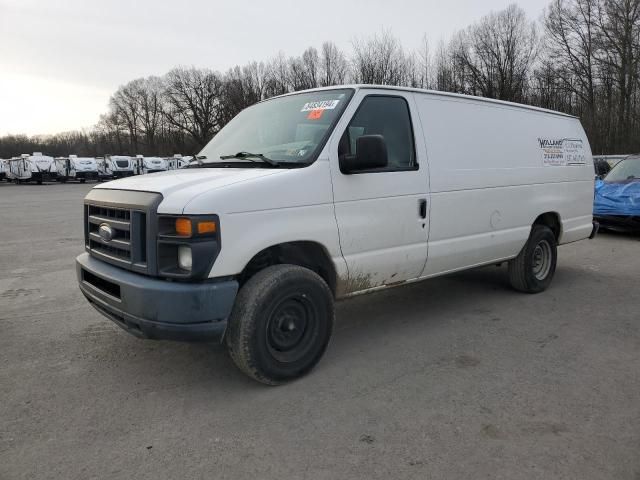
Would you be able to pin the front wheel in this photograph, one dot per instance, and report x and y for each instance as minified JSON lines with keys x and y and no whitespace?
{"x":281,"y":324}
{"x":532,"y":270}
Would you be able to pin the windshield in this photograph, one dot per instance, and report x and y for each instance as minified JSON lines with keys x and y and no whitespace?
{"x":627,"y":169}
{"x":289,"y":129}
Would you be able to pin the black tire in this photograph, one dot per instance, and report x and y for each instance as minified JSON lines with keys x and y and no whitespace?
{"x":533,"y":269}
{"x":281,"y":324}
{"x":83,"y":180}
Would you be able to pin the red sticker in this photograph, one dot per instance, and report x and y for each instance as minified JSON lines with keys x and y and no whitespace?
{"x":315,"y":114}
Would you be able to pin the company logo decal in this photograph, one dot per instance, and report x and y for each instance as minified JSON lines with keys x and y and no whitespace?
{"x":562,"y":152}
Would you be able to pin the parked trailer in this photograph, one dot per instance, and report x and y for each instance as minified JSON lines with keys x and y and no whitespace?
{"x":115,"y":166}
{"x":76,"y":168}
{"x":177,"y":161}
{"x":3,"y":169}
{"x":32,"y":168}
{"x":144,"y":165}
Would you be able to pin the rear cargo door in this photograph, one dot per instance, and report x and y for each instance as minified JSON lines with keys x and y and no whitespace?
{"x":382,"y":215}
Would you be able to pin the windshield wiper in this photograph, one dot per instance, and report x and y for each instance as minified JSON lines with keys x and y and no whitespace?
{"x":251,"y":157}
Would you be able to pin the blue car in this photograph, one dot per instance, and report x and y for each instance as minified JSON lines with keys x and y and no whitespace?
{"x":617,"y":197}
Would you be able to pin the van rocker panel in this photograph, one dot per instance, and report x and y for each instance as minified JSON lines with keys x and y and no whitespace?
{"x":157,"y":309}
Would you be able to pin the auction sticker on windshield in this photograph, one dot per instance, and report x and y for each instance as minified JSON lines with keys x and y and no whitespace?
{"x":315,"y":114}
{"x":321,"y":105}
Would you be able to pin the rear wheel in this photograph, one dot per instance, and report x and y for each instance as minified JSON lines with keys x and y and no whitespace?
{"x":281,"y":324}
{"x":533,"y":269}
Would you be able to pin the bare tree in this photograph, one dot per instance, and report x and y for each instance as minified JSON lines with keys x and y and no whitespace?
{"x":124,"y":111}
{"x":497,"y":54}
{"x":241,"y":87}
{"x":277,"y":75}
{"x":619,"y":27}
{"x":423,"y":65}
{"x":379,"y":60}
{"x":571,"y":48}
{"x":149,"y":97}
{"x":333,"y":65}
{"x":192,"y":98}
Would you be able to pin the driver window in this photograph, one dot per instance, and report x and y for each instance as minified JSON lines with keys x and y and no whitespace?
{"x":389,"y":117}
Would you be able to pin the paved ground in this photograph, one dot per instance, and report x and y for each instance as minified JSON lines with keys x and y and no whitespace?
{"x":455,"y":378}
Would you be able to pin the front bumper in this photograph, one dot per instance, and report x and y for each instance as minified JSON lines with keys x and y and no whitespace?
{"x":157,"y":309}
{"x":122,"y":174}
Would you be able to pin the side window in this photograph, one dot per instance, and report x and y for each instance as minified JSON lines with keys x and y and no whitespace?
{"x":389,"y":117}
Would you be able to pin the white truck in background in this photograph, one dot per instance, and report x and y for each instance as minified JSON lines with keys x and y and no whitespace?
{"x":320,"y":195}
{"x":32,"y":168}
{"x":76,"y":168}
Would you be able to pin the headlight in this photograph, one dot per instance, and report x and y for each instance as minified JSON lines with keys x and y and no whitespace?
{"x":185,"y":260}
{"x":187,"y":245}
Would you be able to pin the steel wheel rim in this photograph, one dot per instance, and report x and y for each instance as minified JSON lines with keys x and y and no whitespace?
{"x":541,"y":264}
{"x":291,"y":328}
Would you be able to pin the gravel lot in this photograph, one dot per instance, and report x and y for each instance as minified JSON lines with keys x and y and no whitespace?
{"x":453,"y":378}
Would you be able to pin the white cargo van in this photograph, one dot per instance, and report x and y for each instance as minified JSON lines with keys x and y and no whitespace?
{"x":76,"y":168}
{"x":319,"y":195}
{"x":32,"y":168}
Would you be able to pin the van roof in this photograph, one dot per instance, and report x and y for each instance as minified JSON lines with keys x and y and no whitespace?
{"x":360,"y":86}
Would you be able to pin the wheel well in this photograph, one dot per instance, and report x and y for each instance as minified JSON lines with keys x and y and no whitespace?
{"x":551,"y":220}
{"x":306,"y":254}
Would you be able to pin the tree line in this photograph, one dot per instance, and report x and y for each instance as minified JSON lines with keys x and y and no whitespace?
{"x":582,"y":58}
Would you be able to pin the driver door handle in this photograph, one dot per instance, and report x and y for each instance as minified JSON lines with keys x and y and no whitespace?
{"x":422,"y":207}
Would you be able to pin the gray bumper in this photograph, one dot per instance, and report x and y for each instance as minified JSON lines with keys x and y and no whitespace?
{"x":158,"y":309}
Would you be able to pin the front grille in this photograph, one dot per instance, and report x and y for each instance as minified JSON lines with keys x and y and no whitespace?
{"x":119,"y":220}
{"x":129,"y":216}
{"x":122,"y":163}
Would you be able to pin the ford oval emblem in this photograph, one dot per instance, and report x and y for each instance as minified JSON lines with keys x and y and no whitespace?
{"x":106,"y":232}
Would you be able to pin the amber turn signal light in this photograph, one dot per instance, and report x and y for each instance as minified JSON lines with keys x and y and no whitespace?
{"x":183,"y":227}
{"x":206,"y":227}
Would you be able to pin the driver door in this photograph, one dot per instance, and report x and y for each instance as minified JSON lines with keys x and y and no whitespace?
{"x":382,"y":214}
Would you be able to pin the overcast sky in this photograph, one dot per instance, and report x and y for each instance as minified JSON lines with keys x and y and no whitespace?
{"x":60,"y":60}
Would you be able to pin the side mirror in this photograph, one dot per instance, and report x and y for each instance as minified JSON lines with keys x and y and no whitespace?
{"x":371,"y":153}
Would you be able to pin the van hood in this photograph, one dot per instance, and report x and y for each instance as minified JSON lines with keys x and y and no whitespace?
{"x":195,"y":180}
